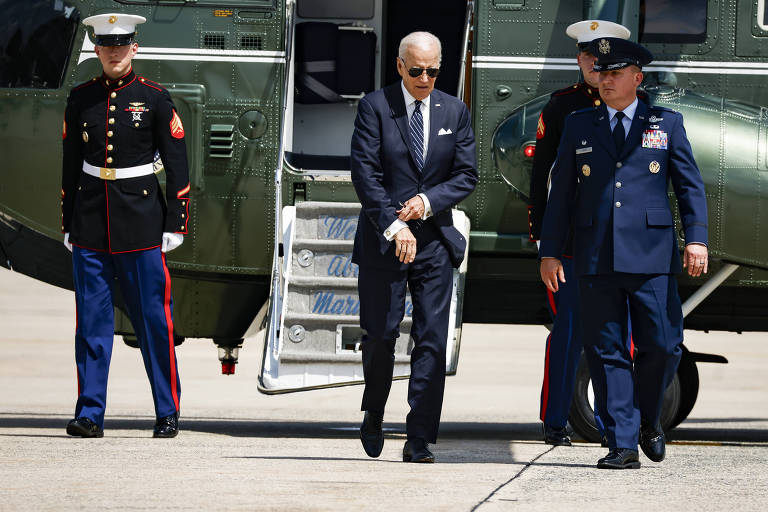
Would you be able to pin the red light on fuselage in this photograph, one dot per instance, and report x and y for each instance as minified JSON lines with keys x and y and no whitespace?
{"x":529,"y":151}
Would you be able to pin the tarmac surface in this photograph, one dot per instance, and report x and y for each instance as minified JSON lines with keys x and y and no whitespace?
{"x":240,"y":450}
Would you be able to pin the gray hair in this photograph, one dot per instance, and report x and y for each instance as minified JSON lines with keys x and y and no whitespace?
{"x":423,"y":40}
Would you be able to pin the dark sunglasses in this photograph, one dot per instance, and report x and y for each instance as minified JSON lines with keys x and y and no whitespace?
{"x":416,"y":72}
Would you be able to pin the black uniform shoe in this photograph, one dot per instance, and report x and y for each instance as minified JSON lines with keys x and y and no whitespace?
{"x":371,"y":434}
{"x":167,"y":426}
{"x":556,"y":436}
{"x":415,"y":450}
{"x":652,"y":442}
{"x":619,"y":458}
{"x":83,"y":427}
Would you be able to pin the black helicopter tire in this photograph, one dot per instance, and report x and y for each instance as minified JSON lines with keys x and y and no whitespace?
{"x":582,"y":417}
{"x":688,"y":375}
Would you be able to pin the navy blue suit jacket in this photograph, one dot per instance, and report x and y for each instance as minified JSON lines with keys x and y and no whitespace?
{"x":619,"y":203}
{"x":384,"y":172}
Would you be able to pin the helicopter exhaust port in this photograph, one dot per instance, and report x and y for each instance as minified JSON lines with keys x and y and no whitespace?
{"x":229,"y":351}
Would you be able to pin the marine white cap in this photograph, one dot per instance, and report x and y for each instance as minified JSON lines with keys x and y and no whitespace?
{"x":114,"y":29}
{"x":589,"y":30}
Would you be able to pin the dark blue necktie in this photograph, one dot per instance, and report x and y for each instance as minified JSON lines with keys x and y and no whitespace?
{"x":416,"y":127}
{"x":618,"y":132}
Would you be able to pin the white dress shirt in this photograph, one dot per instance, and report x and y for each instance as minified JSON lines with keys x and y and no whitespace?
{"x":410,"y":107}
{"x":629,"y":114}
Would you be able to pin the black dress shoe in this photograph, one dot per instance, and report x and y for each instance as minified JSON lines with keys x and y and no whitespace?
{"x":619,"y":458}
{"x":167,"y":426}
{"x":371,"y":434}
{"x":415,"y":450}
{"x":556,"y":436}
{"x":652,"y":442}
{"x":84,"y":427}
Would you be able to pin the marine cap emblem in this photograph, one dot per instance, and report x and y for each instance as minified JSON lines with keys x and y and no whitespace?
{"x":594,"y":25}
{"x":604,"y":46}
{"x":85,"y":136}
{"x":585,"y":170}
{"x":113,"y":19}
{"x":654,"y":167}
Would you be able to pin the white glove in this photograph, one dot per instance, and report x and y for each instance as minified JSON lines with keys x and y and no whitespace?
{"x":538,"y":244}
{"x":171,"y":241}
{"x":66,"y":242}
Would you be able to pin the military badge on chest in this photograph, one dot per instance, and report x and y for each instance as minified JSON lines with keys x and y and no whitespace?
{"x":655,"y":139}
{"x":137,"y":109}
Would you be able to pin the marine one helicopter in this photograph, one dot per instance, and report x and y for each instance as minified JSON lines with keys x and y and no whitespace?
{"x":267,"y":91}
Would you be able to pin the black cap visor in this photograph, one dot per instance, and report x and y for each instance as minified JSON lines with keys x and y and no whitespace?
{"x":611,"y":66}
{"x":114,"y":39}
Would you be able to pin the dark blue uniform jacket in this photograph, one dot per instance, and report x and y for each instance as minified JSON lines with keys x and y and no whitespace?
{"x":619,"y":203}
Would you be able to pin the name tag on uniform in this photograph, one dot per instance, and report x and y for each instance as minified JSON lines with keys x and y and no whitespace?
{"x":584,"y":150}
{"x":655,"y":139}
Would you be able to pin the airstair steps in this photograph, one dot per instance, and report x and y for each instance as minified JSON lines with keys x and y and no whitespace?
{"x":319,"y":336}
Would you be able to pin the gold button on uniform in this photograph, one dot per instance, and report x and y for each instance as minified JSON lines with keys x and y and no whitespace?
{"x":111,"y":120}
{"x":85,"y":124}
{"x":145,"y":192}
{"x":113,"y":95}
{"x":120,"y":82}
{"x":136,"y":125}
{"x":112,"y":108}
{"x":618,"y":165}
{"x":182,"y":215}
{"x":597,"y":103}
{"x":183,"y":203}
{"x":109,"y":147}
{"x":109,"y":160}
{"x":109,"y":133}
{"x":618,"y":204}
{"x":618,"y":184}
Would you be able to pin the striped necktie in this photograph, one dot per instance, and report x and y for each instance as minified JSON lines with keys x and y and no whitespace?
{"x":416,"y":127}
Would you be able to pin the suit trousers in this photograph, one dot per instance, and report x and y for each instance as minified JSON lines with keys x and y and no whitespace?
{"x":564,"y":345}
{"x":631,"y":391}
{"x":382,"y":306}
{"x":146,"y":287}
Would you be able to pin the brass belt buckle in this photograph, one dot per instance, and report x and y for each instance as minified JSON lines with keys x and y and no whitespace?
{"x":107,"y":173}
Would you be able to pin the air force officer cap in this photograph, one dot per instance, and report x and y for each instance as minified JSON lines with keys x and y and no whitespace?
{"x":114,"y":29}
{"x":586,"y":31}
{"x":613,"y":53}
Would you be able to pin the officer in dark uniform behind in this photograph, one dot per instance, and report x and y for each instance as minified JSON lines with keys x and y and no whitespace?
{"x":611,"y":176}
{"x":117,"y":224}
{"x":564,"y":342}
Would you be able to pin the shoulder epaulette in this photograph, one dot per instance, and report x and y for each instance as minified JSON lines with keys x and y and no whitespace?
{"x":566,"y":90}
{"x":150,"y":83}
{"x":663,"y":109}
{"x":583,"y":110}
{"x":85,"y":84}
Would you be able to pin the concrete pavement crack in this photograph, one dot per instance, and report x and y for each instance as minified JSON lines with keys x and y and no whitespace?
{"x":530,"y":463}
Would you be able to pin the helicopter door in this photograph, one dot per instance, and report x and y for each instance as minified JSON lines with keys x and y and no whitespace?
{"x":315,"y":343}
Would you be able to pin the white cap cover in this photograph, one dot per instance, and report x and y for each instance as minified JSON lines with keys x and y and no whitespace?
{"x":114,"y":29}
{"x":589,"y":30}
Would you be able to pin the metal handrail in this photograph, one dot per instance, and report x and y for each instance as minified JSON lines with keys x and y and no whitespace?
{"x":464,"y":48}
{"x":277,"y":274}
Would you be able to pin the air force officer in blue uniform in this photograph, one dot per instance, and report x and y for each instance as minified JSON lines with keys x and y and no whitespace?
{"x":610,"y":181}
{"x":413,"y":158}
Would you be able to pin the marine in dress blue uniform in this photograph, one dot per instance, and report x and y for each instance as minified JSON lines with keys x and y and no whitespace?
{"x":413,"y":158}
{"x":118,"y":224}
{"x":611,"y":177}
{"x":563,"y":345}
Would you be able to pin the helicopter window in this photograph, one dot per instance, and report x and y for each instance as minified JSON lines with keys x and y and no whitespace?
{"x":36,"y":37}
{"x":681,"y":21}
{"x":346,"y":9}
{"x":762,"y":14}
